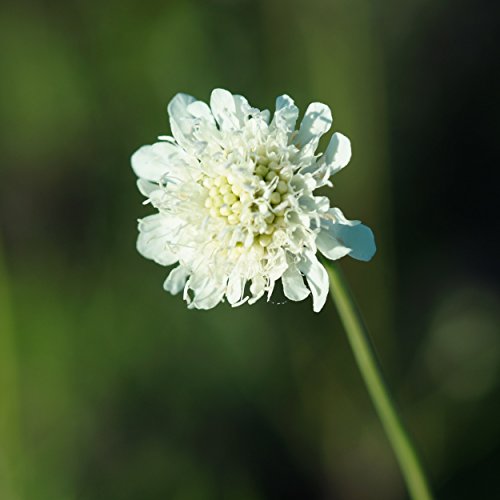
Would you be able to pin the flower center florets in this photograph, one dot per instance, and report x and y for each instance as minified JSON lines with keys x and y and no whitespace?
{"x":254,"y":199}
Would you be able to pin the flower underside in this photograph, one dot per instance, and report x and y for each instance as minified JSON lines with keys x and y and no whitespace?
{"x":236,"y":206}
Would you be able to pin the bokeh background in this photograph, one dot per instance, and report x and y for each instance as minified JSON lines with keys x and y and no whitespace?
{"x":111,"y":389}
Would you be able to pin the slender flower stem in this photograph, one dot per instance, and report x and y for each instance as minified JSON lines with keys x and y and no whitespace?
{"x":369,"y":366}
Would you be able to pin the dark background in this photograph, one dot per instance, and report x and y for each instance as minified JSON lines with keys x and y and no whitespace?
{"x":111,"y":389}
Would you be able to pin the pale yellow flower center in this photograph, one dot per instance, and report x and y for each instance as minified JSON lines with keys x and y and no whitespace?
{"x":227,"y":200}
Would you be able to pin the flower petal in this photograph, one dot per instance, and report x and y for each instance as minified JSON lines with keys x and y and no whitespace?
{"x":207,"y":293}
{"x":317,"y":279}
{"x":192,"y":123}
{"x":203,"y":127}
{"x":257,"y":289}
{"x":329,"y":245}
{"x":317,"y":121}
{"x":176,"y":280}
{"x":145,"y":187}
{"x":200,"y":110}
{"x":293,"y":284}
{"x":337,"y":154}
{"x":156,"y":235}
{"x":181,"y":121}
{"x":153,"y":162}
{"x":286,"y":114}
{"x":242,"y":109}
{"x":224,"y":109}
{"x":177,"y":107}
{"x":231,"y":111}
{"x":360,"y":239}
{"x":340,"y":237}
{"x":235,"y":288}
{"x":148,"y":164}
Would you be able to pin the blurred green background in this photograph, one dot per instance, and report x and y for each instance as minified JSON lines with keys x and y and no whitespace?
{"x":111,"y":389}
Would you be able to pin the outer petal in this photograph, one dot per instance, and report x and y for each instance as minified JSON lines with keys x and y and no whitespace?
{"x":243,"y":109}
{"x":317,"y":279}
{"x":176,"y":280}
{"x":181,"y":121}
{"x":231,"y":111}
{"x":149,"y":164}
{"x":293,"y":284}
{"x":224,"y":109}
{"x":257,"y":289}
{"x":340,"y":237}
{"x":192,"y":123}
{"x":156,"y":233}
{"x":207,"y":293}
{"x":329,"y":245}
{"x":235,"y":288}
{"x":177,"y":107}
{"x":146,"y":187}
{"x":317,"y":121}
{"x":201,"y":110}
{"x":154,"y":162}
{"x":337,"y":154}
{"x":286,"y":114}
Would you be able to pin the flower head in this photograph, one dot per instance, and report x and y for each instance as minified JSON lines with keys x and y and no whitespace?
{"x":236,"y":208}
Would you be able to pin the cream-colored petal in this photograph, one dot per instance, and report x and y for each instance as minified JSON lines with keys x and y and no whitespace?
{"x":316,"y":122}
{"x":339,"y":237}
{"x":176,"y":280}
{"x":157,"y":161}
{"x":207,"y":293}
{"x":156,"y":235}
{"x":286,"y":114}
{"x":293,"y":284}
{"x":235,"y":288}
{"x":317,"y":279}
{"x":224,"y":109}
{"x":337,"y":154}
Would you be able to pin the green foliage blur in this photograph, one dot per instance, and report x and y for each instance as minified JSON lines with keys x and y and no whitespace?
{"x":110,"y":388}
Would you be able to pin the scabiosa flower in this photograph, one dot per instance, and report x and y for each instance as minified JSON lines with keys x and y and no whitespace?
{"x":236,"y":208}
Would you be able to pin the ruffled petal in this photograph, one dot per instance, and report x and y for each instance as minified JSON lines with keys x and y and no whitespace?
{"x":177,"y":107}
{"x":149,"y":164}
{"x":286,"y":114}
{"x":257,"y":289}
{"x":192,"y":122}
{"x":223,"y":109}
{"x":145,"y":187}
{"x":156,"y":235}
{"x":316,"y":122}
{"x":176,"y":280}
{"x":337,"y":154}
{"x":181,"y":121}
{"x":293,"y":284}
{"x":329,"y":245}
{"x":339,"y":237}
{"x":317,"y":279}
{"x":230,"y":111}
{"x":200,"y":110}
{"x":206,"y":292}
{"x":235,"y":288}
{"x":161,"y":160}
{"x":242,"y":109}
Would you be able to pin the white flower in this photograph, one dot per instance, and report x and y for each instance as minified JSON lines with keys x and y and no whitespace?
{"x":234,"y":191}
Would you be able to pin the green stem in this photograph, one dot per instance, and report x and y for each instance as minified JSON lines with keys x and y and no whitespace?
{"x":369,"y":366}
